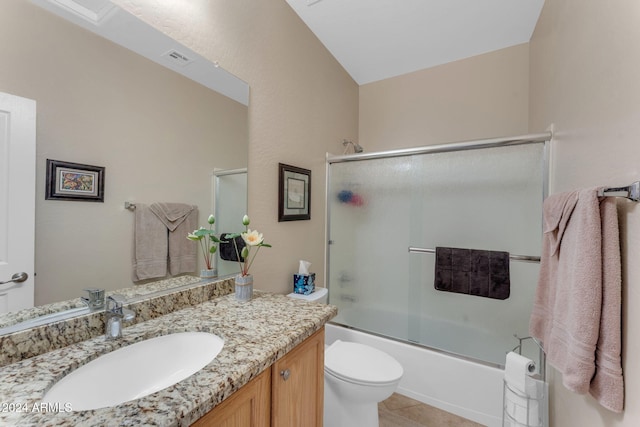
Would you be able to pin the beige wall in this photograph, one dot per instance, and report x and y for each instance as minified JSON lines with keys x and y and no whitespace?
{"x":484,"y":96}
{"x":158,"y":134}
{"x":585,"y":64}
{"x":302,"y":104}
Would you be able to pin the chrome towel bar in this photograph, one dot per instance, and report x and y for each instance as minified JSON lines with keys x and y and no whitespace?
{"x":522,"y":258}
{"x":631,"y":192}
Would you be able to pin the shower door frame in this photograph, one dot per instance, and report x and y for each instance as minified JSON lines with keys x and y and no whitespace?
{"x":215,"y":197}
{"x":544,"y":138}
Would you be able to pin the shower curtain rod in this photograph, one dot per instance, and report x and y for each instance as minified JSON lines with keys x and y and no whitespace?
{"x":443,"y":148}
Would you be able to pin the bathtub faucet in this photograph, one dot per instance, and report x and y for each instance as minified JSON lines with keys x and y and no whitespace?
{"x":350,"y":298}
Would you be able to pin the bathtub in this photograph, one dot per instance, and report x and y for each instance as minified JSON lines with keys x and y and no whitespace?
{"x":462,"y":387}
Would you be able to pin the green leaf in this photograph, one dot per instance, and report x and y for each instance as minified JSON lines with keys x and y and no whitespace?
{"x":231,"y":235}
{"x":266,"y":245}
{"x":212,"y":250}
{"x":201,"y":232}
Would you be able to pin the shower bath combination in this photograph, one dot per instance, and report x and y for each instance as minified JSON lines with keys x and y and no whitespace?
{"x":482,"y":195}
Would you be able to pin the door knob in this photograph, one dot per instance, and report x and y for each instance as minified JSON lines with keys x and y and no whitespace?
{"x":17,"y":278}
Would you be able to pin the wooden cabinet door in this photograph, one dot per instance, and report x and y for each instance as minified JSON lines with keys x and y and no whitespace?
{"x":248,"y":407}
{"x":297,"y":385}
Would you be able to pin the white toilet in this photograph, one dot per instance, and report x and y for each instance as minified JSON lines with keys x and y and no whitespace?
{"x":356,"y":378}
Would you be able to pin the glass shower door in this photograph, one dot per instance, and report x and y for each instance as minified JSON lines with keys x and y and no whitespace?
{"x":488,"y":199}
{"x":369,"y":213}
{"x":230,"y":206}
{"x":484,"y":199}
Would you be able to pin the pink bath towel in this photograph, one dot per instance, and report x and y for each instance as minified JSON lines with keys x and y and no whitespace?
{"x":577,"y":307}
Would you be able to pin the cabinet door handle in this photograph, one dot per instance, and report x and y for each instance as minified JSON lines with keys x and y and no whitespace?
{"x":285,"y":374}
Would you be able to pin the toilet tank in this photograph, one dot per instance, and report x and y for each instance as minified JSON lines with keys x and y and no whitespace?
{"x":320,"y":295}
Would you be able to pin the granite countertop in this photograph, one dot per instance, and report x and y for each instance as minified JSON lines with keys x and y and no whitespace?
{"x":256,"y":334}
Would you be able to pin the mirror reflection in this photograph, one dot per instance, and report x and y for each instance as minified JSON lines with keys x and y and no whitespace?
{"x":159,"y":135}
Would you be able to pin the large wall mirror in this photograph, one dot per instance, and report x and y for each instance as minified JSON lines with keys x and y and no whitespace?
{"x":159,"y":135}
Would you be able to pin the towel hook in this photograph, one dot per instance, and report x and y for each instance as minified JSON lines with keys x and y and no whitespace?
{"x":130,"y":206}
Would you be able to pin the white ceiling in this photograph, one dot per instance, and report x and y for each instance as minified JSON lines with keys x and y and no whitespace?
{"x":378,"y":39}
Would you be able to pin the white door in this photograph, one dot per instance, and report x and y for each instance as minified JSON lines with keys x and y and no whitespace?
{"x":17,"y":200}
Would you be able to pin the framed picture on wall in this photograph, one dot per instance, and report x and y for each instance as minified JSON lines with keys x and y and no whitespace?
{"x":74,"y":181}
{"x":294,"y":193}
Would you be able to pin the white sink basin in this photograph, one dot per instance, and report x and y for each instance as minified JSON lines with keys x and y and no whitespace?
{"x":135,"y":371}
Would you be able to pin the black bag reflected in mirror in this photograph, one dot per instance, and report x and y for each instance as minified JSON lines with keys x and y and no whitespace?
{"x":228,"y":249}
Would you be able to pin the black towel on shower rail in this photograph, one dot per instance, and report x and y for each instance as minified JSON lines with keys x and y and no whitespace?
{"x":472,"y":272}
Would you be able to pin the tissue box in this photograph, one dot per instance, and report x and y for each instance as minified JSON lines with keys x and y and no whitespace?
{"x":304,"y":284}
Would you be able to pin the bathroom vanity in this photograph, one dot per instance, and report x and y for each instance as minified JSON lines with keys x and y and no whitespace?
{"x":290,"y":393}
{"x":269,"y":371}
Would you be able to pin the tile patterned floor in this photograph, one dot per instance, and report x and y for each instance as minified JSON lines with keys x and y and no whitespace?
{"x":401,"y":411}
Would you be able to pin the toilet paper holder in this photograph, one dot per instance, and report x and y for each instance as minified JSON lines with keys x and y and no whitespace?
{"x":541,"y":356}
{"x":527,"y":409}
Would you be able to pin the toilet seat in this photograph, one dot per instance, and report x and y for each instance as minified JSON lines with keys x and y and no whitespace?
{"x":361,"y":364}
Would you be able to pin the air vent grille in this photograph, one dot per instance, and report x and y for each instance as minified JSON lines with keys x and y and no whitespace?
{"x":178,"y":58}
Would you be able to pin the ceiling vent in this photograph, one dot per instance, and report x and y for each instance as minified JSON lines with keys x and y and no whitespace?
{"x":178,"y":58}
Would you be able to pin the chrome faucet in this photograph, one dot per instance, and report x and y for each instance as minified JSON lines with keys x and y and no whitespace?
{"x":115,"y":314}
{"x":95,"y":301}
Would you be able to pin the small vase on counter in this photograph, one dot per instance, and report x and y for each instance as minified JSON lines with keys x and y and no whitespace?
{"x":244,"y":287}
{"x":209,"y":273}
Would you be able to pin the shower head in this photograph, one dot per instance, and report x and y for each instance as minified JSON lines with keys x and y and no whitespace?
{"x":357,"y":148}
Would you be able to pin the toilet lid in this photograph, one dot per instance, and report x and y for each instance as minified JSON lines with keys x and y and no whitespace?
{"x":360,"y":363}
